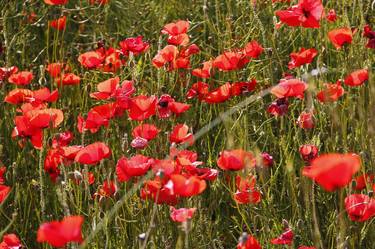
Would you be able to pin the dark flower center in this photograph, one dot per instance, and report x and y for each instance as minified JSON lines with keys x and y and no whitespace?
{"x":163,"y":104}
{"x":306,"y":13}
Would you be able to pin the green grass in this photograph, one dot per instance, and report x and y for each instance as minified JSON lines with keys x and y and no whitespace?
{"x":317,"y":217}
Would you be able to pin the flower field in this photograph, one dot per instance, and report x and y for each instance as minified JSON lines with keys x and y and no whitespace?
{"x":242,"y":124}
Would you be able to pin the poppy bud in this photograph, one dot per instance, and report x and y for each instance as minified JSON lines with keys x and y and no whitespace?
{"x":100,"y":44}
{"x":306,"y":120}
{"x":308,"y":152}
{"x":331,"y":17}
{"x":267,"y":160}
{"x":139,"y":143}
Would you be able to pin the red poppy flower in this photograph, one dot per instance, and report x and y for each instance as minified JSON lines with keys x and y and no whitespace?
{"x":24,"y":129}
{"x":362,"y":180}
{"x":182,"y":214}
{"x":59,"y":156}
{"x":219,"y":95}
{"x":340,"y":37}
{"x":123,"y":94}
{"x":333,"y":171}
{"x":112,"y":62}
{"x":306,"y":247}
{"x":59,"y":23}
{"x":207,"y":174}
{"x":331,"y":16}
{"x":360,"y":207}
{"x":55,"y":69}
{"x":137,"y":165}
{"x":59,"y":233}
{"x":35,"y":105}
{"x":306,"y":120}
{"x":266,"y":159}
{"x":142,"y":107}
{"x":189,"y":51}
{"x":68,"y":79}
{"x":368,"y":33}
{"x":176,"y":28}
{"x":91,"y":59}
{"x":180,"y":134}
{"x":4,"y":191}
{"x":93,"y":153}
{"x":307,"y":13}
{"x":235,"y":160}
{"x":187,"y":186}
{"x":146,"y":131}
{"x":10,"y":241}
{"x":111,"y":89}
{"x":167,"y":105}
{"x":187,"y":161}
{"x":330,"y":92}
{"x":62,"y":139}
{"x":18,"y":95}
{"x":167,"y":54}
{"x":163,"y":106}
{"x":247,"y":196}
{"x":356,"y":78}
{"x":21,"y":78}
{"x":289,"y":88}
{"x":246,"y":192}
{"x":248,"y":242}
{"x":245,"y":183}
{"x":136,"y":45}
{"x":304,"y":56}
{"x":51,"y":163}
{"x":279,"y":107}
{"x":98,"y":116}
{"x":239,"y":88}
{"x":308,"y":152}
{"x":253,"y":49}
{"x":166,"y":166}
{"x":6,"y":72}
{"x":44,"y":117}
{"x":200,"y":88}
{"x":158,"y":192}
{"x":205,"y":71}
{"x":229,"y":61}
{"x":177,"y":108}
{"x":70,"y":152}
{"x":44,"y":95}
{"x":2,"y":172}
{"x":106,"y":89}
{"x":286,"y":238}
{"x":180,"y":62}
{"x":181,"y":39}
{"x":56,"y":2}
